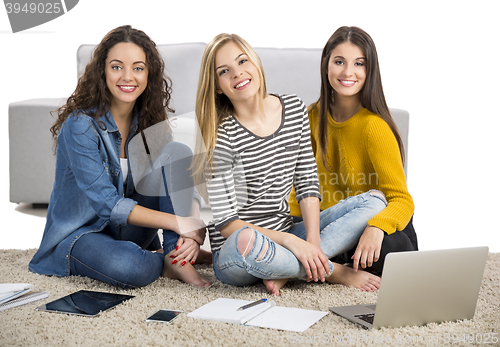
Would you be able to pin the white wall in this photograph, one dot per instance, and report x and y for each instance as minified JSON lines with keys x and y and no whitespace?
{"x":438,"y":61}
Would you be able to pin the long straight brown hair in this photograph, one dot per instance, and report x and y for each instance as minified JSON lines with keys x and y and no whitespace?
{"x":372,"y":94}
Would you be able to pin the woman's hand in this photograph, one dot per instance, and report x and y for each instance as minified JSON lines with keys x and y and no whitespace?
{"x":368,"y":249}
{"x":193,"y":228}
{"x":187,"y":251}
{"x":311,"y":257}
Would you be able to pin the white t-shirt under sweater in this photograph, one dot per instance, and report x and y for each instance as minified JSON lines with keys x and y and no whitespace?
{"x":253,"y":176}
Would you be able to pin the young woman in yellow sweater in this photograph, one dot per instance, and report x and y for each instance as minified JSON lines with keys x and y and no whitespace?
{"x":357,"y":146}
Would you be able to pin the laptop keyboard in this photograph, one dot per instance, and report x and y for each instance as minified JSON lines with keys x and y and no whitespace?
{"x":366,"y":317}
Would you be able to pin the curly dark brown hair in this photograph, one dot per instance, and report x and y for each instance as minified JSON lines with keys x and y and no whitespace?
{"x":93,"y":96}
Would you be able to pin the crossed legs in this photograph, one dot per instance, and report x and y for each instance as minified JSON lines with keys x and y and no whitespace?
{"x":119,"y":256}
{"x":248,"y":255}
{"x":245,"y":243}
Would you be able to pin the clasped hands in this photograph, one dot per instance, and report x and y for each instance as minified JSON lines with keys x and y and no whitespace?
{"x":312,"y":258}
{"x":192,"y":235}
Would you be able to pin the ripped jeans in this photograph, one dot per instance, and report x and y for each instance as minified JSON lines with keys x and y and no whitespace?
{"x":341,"y":226}
{"x":120,"y":257}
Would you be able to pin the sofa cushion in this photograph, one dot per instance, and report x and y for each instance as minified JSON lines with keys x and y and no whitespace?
{"x":292,"y":71}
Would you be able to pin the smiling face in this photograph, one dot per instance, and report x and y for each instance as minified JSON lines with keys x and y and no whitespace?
{"x":237,"y":77}
{"x":346,"y":70}
{"x":126,"y":73}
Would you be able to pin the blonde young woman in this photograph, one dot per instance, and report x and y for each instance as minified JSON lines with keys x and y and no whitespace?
{"x":258,"y":147}
{"x":357,"y":146}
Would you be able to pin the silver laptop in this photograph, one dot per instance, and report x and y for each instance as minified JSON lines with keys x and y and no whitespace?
{"x":423,"y":287}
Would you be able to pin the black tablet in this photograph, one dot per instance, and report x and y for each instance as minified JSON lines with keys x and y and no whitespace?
{"x":85,"y":303}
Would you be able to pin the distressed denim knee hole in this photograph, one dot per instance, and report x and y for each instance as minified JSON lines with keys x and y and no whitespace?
{"x":245,"y":241}
{"x":263,"y":252}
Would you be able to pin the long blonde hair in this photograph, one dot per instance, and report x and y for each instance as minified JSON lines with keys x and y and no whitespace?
{"x":211,"y":107}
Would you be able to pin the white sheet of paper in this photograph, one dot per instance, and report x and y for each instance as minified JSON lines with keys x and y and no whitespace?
{"x":287,"y":318}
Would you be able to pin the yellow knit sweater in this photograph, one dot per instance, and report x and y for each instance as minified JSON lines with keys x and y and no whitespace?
{"x":363,"y":154}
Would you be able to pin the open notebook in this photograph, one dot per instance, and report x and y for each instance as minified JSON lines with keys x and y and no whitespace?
{"x":266,"y":315}
{"x":10,"y":291}
{"x":17,"y":294}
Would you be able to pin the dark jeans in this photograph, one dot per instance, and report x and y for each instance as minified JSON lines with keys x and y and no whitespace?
{"x":399,"y":241}
{"x":124,"y":258}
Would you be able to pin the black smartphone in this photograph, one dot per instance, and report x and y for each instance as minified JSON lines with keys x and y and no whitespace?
{"x":164,"y":316}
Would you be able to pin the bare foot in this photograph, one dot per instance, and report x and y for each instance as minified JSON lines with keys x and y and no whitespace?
{"x":358,"y":279}
{"x":204,"y":257}
{"x":274,"y":286}
{"x":186,"y":273}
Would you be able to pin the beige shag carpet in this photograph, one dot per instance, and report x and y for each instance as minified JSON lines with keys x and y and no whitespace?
{"x":124,"y":325}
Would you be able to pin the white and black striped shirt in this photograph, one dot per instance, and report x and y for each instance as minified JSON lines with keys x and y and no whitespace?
{"x":252,"y":176}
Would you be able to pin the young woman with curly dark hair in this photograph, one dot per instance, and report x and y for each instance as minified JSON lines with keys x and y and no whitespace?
{"x":120,"y":177}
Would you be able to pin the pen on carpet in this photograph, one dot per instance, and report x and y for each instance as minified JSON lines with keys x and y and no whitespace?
{"x":252,"y":304}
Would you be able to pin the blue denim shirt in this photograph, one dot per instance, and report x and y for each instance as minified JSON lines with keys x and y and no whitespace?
{"x":88,"y":190}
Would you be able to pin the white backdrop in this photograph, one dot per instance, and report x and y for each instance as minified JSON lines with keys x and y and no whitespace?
{"x":438,"y":59}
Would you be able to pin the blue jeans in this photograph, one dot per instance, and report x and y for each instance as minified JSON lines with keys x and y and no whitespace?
{"x":341,"y":227}
{"x":122,"y":259}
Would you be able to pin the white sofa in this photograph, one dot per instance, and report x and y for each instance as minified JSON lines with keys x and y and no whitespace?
{"x":32,"y":163}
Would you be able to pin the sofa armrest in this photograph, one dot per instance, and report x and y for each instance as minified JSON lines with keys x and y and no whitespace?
{"x":31,"y":158}
{"x":402,"y":120}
